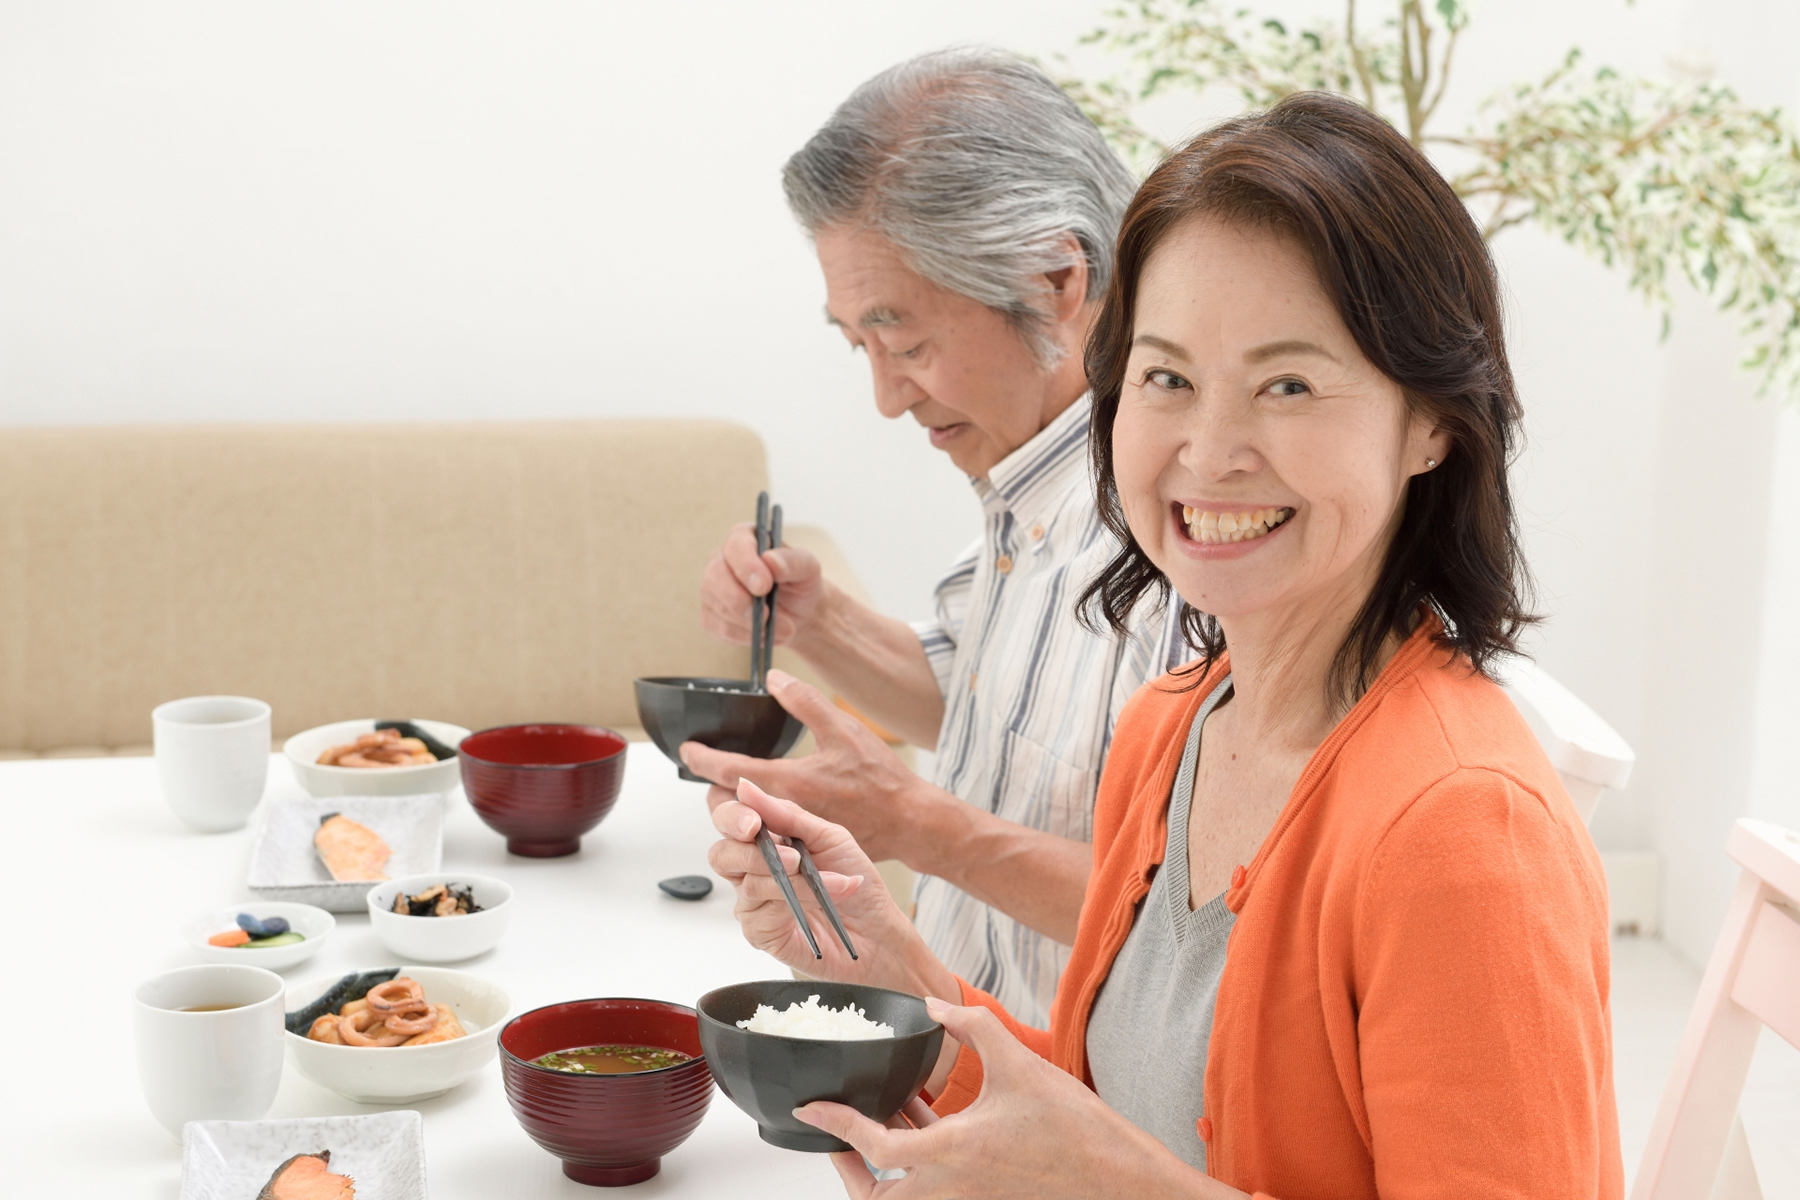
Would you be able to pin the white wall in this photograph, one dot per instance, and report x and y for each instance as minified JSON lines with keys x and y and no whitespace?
{"x":337,"y":211}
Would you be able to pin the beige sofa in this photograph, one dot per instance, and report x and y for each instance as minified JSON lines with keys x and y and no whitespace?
{"x":479,"y":573}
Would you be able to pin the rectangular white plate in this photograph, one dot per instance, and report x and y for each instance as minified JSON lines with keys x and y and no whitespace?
{"x":286,"y":866}
{"x":231,"y":1160}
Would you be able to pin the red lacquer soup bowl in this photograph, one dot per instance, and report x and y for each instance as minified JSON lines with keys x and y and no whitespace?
{"x":542,"y":786}
{"x":609,"y":1130}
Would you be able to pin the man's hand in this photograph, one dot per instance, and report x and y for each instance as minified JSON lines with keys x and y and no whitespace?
{"x":736,"y":573}
{"x":853,"y":779}
{"x":874,"y":662}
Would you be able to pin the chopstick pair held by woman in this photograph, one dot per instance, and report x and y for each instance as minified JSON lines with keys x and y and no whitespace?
{"x":1345,"y":934}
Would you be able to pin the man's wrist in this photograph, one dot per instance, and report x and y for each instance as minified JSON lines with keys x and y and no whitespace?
{"x":940,"y":830}
{"x":929,"y":976}
{"x":817,"y":639}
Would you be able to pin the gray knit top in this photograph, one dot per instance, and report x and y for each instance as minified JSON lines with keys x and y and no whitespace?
{"x":1151,"y":1022}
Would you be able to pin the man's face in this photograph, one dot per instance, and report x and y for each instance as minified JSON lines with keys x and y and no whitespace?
{"x":955,"y":364}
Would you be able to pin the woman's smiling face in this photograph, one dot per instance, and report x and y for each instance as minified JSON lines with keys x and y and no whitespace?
{"x":1261,"y":460}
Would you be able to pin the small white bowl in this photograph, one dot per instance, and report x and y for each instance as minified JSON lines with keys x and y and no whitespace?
{"x":303,"y":750}
{"x":441,"y":939}
{"x":405,"y":1074}
{"x":313,"y":924}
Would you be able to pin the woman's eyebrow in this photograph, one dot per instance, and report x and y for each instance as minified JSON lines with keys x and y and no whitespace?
{"x":1173,"y":349}
{"x":1270,"y":350}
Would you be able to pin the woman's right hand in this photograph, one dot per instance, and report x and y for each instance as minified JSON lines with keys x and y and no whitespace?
{"x":736,"y":573}
{"x":890,"y":952}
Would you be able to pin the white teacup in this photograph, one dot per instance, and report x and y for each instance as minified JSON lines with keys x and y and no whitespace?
{"x":210,"y":1042}
{"x":212,"y":756}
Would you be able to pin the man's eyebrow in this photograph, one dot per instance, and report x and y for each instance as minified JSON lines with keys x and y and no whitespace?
{"x":1174,"y":349}
{"x":1270,"y":350}
{"x":874,"y":318}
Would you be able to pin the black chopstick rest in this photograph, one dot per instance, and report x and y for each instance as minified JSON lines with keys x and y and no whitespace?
{"x":687,"y":887}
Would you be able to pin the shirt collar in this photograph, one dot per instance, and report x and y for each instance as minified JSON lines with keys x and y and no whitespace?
{"x":1034,"y":477}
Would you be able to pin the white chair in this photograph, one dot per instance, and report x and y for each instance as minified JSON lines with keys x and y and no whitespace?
{"x":1586,"y":751}
{"x":1697,"y":1149}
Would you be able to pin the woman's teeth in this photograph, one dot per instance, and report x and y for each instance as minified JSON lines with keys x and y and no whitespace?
{"x":1216,"y":527}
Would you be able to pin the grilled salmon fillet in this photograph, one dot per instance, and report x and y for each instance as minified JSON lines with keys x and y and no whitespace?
{"x":350,"y":851}
{"x":308,"y":1177}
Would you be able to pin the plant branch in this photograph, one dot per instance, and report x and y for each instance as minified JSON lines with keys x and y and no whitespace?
{"x":1443,"y":79}
{"x":1357,"y":58}
{"x":1654,"y":177}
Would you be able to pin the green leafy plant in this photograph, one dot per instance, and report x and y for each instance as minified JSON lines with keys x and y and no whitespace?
{"x":1650,"y":175}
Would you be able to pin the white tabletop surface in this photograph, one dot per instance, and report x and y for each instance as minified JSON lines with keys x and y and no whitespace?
{"x":100,"y":877}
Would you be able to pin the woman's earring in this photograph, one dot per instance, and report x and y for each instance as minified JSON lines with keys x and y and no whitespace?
{"x":1431,"y":464}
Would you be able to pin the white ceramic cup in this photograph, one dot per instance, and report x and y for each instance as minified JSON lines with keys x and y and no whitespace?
{"x":223,"y":1065}
{"x":212,"y":756}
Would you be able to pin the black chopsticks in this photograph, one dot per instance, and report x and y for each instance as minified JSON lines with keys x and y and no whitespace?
{"x":809,"y":870}
{"x":762,"y":648}
{"x":762,"y":608}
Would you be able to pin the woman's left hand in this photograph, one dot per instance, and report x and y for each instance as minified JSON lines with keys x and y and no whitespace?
{"x":1034,"y":1131}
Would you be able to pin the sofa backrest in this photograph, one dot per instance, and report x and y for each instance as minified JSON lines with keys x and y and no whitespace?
{"x":480,"y":573}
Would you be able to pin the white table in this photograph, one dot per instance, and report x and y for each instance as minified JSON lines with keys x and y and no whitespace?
{"x":99,"y":876}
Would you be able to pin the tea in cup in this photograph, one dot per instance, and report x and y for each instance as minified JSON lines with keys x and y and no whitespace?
{"x":210,"y":1042}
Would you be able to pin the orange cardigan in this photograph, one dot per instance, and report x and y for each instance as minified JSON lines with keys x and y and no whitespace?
{"x":1414,"y":1001}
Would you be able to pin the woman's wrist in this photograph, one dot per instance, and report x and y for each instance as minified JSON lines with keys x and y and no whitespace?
{"x":1140,"y":1165}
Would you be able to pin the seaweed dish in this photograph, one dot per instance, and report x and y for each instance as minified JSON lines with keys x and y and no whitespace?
{"x":439,"y":900}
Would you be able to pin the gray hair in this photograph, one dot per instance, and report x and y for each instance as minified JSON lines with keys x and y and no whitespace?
{"x":978,"y":169}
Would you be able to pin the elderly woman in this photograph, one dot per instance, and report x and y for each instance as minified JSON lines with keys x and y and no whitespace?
{"x":1346,"y":935}
{"x":964,"y":212}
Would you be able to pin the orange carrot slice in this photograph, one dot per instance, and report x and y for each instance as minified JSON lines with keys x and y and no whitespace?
{"x":231,"y":937}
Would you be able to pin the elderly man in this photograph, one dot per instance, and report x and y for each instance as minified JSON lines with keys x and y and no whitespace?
{"x":963,"y":210}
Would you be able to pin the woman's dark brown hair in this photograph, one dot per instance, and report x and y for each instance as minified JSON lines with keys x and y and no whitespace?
{"x":1410,"y":275}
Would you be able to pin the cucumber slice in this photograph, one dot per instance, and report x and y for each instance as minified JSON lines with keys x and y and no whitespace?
{"x":280,"y":939}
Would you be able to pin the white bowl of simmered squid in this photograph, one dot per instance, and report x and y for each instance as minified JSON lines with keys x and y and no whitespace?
{"x":422,"y":1065}
{"x":303,"y":750}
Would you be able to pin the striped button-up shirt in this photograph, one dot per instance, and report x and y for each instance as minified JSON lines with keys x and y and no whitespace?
{"x":1030,"y":695}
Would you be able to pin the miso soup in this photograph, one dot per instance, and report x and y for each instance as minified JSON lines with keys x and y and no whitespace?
{"x":611,"y":1059}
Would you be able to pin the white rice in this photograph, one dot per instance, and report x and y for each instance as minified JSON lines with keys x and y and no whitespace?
{"x":816,"y":1021}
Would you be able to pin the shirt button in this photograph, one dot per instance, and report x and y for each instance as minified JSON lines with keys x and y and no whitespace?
{"x":1203,"y":1127}
{"x":1003,"y":564}
{"x":1237,"y":877}
{"x":1037,"y":533}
